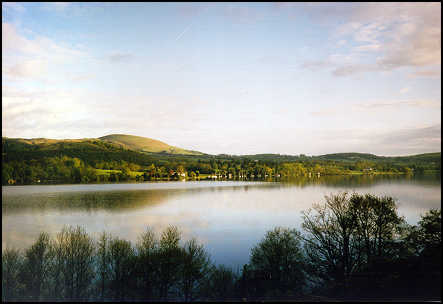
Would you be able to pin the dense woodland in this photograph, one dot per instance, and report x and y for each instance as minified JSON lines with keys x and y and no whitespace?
{"x":351,"y":247}
{"x":98,"y":161}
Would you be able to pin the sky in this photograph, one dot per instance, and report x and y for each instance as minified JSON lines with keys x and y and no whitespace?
{"x":232,"y":78}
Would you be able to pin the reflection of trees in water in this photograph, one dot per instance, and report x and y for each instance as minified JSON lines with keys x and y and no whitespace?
{"x":113,"y":201}
{"x":85,"y":201}
{"x":361,"y":180}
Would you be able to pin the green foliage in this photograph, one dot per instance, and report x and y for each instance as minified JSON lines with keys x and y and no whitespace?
{"x":73,"y":252}
{"x":83,"y":161}
{"x":121,"y":268}
{"x":195,"y":267}
{"x":36,"y":266}
{"x":103,"y":265}
{"x":278,"y":262}
{"x":220,"y":283}
{"x":143,"y":144}
{"x":430,"y":228}
{"x":12,"y":262}
{"x":169,"y":259}
{"x":147,"y":249}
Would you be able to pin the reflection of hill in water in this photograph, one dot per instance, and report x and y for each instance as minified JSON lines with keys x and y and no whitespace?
{"x":112,"y":201}
{"x":356,"y":181}
{"x":84,"y":201}
{"x":125,"y":200}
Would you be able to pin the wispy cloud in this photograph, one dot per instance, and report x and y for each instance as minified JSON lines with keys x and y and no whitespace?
{"x":404,"y":90}
{"x":325,"y":112}
{"x":430,"y":73}
{"x":377,"y":105}
{"x":394,"y":142}
{"x":120,"y":57}
{"x":351,"y":69}
{"x":317,"y":64}
{"x":26,"y":58}
{"x":414,"y":136}
{"x":40,"y":46}
{"x":414,"y":140}
{"x":407,"y":35}
{"x":81,"y":77}
{"x":341,"y":42}
{"x":35,"y":68}
{"x":411,"y":103}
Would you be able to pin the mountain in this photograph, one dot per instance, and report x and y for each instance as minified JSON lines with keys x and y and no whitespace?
{"x":144,"y":144}
{"x":113,"y":142}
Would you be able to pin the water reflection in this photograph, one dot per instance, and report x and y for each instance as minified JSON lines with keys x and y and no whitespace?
{"x":112,"y":201}
{"x":363,"y":180}
{"x":228,"y":217}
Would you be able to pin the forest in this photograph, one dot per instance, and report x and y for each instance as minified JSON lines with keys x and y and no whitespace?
{"x":350,"y":247}
{"x":97,"y":161}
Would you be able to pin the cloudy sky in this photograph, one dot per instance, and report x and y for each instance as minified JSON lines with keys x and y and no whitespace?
{"x":235,"y":78}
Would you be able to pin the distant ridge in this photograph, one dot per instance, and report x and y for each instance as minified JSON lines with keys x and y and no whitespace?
{"x":114,"y":142}
{"x":354,"y":156}
{"x":144,"y":144}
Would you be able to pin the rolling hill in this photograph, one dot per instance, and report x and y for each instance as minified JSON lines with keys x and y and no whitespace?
{"x":144,"y":144}
{"x":26,"y":161}
{"x":113,"y":142}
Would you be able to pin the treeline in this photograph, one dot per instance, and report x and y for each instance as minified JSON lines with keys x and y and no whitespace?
{"x":77,"y":162}
{"x":67,"y":169}
{"x":351,"y":247}
{"x":49,"y":169}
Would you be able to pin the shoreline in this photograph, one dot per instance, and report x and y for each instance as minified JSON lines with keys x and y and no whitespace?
{"x":274,"y":179}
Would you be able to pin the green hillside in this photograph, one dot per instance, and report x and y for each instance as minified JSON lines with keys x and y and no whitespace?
{"x":44,"y":144}
{"x":117,"y":158}
{"x":114,"y":142}
{"x":144,"y":144}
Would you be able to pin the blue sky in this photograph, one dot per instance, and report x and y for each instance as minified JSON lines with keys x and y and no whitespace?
{"x":235,"y":78}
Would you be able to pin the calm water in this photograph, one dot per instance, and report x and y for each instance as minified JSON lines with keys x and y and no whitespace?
{"x":228,"y":217}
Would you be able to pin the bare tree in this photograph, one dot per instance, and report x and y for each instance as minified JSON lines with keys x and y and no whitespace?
{"x":331,"y":244}
{"x":347,"y":233}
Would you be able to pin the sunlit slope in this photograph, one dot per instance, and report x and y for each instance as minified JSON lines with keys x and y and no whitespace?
{"x":46,"y":144}
{"x":109,"y":143}
{"x":144,"y":144}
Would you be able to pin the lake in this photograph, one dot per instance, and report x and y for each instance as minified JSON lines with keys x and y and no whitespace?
{"x":228,"y":217}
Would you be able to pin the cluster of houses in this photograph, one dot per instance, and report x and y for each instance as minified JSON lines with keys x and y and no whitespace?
{"x":230,"y":176}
